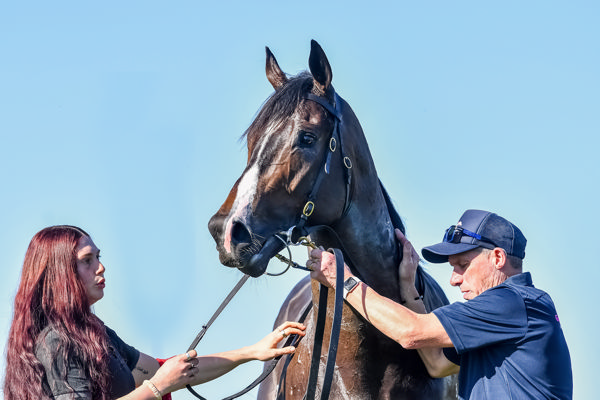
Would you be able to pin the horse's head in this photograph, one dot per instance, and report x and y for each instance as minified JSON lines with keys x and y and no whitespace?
{"x":288,"y":144}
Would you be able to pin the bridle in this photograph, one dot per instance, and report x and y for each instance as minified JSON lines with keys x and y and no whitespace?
{"x":298,"y":234}
{"x":335,"y":137}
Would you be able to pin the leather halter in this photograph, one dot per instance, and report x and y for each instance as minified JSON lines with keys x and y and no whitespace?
{"x":334,"y":138}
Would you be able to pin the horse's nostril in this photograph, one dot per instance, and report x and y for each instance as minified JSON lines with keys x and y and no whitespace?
{"x":239,"y":233}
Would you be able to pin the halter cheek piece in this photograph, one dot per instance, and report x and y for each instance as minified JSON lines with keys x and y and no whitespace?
{"x":334,"y":138}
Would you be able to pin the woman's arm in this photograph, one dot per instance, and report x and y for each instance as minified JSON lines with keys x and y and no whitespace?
{"x":214,"y":365}
{"x":145,"y":368}
{"x":181,"y":370}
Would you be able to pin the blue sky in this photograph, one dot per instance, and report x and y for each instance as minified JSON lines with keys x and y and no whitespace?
{"x":124,"y":118}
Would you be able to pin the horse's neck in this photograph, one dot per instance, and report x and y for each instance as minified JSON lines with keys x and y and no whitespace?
{"x":368,"y":237}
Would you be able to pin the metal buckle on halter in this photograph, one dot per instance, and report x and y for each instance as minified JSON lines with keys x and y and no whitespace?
{"x":347,"y":162}
{"x":291,"y":233}
{"x":332,"y":144}
{"x":309,"y":207}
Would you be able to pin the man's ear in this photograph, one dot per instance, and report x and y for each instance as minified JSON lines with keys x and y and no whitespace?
{"x":499,"y":258}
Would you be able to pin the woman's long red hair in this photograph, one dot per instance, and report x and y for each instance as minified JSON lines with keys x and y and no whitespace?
{"x":50,"y":293}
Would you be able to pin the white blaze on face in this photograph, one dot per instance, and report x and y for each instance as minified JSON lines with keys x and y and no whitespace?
{"x":242,"y":205}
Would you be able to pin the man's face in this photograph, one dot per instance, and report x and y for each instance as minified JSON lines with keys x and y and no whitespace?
{"x":473,"y":272}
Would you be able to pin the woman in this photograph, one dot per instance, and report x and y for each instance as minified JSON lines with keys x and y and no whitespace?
{"x":57,"y":348}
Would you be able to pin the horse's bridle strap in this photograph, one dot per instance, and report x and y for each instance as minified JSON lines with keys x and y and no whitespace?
{"x":326,"y":104}
{"x":336,"y":136}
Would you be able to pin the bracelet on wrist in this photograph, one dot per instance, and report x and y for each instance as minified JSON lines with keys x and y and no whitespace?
{"x":153,"y":388}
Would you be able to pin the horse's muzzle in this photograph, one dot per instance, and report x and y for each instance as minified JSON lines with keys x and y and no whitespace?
{"x":258,"y":262}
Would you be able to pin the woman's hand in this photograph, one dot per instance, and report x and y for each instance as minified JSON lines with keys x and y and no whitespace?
{"x":176,"y":372}
{"x":267,"y":349}
{"x":410,"y":259}
{"x":188,"y":369}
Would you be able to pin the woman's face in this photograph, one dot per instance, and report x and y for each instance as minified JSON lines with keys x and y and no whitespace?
{"x":90,"y":269}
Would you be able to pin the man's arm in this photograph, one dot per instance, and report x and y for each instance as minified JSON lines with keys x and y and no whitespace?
{"x":410,"y":326}
{"x":412,"y":329}
{"x":433,"y":357}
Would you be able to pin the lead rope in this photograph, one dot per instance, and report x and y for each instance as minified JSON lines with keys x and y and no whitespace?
{"x":200,"y":334}
{"x":334,"y":336}
{"x":273,"y":363}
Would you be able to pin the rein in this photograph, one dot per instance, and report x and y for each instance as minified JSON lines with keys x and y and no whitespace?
{"x":293,"y":340}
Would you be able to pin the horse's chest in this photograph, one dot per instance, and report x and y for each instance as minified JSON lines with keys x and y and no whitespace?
{"x":368,"y":365}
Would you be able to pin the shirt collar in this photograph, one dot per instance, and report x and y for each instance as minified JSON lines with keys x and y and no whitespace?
{"x":523,"y":279}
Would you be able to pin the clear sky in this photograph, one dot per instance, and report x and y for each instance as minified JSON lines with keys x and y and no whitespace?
{"x":124,"y":118}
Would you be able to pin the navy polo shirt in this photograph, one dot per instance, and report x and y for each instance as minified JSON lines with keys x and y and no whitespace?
{"x":509,"y":344}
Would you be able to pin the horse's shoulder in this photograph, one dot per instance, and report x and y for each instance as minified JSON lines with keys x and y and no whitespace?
{"x":296,"y":302}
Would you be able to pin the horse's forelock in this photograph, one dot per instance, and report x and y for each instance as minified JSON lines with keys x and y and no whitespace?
{"x":281,"y":104}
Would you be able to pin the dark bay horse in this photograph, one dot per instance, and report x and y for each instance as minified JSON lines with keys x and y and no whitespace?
{"x":287,"y":143}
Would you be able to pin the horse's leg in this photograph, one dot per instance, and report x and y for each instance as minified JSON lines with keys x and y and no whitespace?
{"x":291,"y":310}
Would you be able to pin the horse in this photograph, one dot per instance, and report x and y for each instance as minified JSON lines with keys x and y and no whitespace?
{"x":287,"y":144}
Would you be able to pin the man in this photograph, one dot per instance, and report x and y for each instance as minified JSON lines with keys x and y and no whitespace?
{"x":506,"y":341}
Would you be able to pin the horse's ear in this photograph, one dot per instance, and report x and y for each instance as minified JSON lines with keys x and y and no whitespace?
{"x":319,"y":67}
{"x":274,"y":74}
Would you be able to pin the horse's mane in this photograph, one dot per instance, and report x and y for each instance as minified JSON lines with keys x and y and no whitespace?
{"x":282,"y":103}
{"x":394,"y":216}
{"x":433,"y":295}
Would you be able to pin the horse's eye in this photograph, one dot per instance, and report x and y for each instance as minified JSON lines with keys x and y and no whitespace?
{"x":306,"y":138}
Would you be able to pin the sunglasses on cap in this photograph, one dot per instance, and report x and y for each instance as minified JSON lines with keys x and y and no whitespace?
{"x":455,"y":233}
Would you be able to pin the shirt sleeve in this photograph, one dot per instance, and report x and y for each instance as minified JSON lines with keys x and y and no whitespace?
{"x":65,"y":378}
{"x":497,"y":315}
{"x":129,"y":353}
{"x":451,"y":354}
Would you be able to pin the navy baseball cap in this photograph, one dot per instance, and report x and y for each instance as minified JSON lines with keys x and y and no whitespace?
{"x":477,"y":228}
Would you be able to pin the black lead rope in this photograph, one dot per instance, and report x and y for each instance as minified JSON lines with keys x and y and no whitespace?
{"x":336,"y":324}
{"x":200,"y":335}
{"x":294,"y":339}
{"x":268,"y":368}
{"x":334,"y":336}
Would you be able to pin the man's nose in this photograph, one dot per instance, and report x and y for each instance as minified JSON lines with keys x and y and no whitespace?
{"x":455,"y":279}
{"x":101,"y":269}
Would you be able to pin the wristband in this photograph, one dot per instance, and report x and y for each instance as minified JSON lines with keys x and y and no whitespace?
{"x":349,"y":285}
{"x":153,"y":388}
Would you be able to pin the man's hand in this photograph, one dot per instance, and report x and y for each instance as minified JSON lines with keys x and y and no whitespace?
{"x":323,"y":267}
{"x":410,"y":259}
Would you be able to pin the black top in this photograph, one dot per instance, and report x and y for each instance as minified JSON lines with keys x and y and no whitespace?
{"x":66,"y":378}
